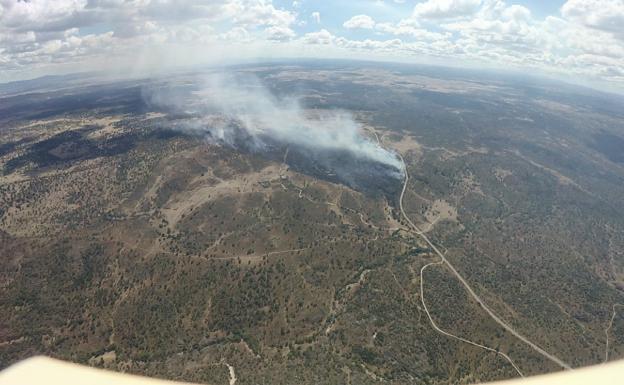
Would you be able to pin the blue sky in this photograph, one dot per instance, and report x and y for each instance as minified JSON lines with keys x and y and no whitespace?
{"x":580,"y":40}
{"x":334,"y":16}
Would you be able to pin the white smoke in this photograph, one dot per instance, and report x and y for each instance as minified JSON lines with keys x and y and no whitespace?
{"x":262,"y":115}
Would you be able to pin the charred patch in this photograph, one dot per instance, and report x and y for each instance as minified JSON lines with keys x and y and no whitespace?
{"x":67,"y":147}
{"x":336,"y":166}
{"x":343,"y":167}
{"x":7,"y":148}
{"x":611,"y":146}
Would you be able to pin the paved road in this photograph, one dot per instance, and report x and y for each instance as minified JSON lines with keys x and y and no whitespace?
{"x":467,"y":286}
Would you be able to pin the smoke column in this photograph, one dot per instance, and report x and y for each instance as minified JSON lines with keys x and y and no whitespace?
{"x":260,"y":116}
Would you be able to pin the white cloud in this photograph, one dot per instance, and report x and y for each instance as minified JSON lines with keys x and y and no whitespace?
{"x":606,"y":15}
{"x":410,"y":28}
{"x":371,"y":45}
{"x":36,"y":33}
{"x":509,"y":35}
{"x":586,"y":38}
{"x":235,"y":34}
{"x":320,"y":37}
{"x":360,"y":22}
{"x":280,"y":33}
{"x":316,"y":16}
{"x":257,"y":12}
{"x":501,"y":35}
{"x":517,"y":13}
{"x":445,"y":9}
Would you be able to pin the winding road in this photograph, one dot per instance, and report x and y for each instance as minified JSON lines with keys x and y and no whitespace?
{"x":472,"y":293}
{"x":435,"y":326}
{"x":232,"y":373}
{"x":608,"y":329}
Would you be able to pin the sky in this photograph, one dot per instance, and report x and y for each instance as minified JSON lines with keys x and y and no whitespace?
{"x":577,"y":40}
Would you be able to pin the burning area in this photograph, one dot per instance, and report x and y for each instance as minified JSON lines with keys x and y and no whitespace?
{"x":240,"y":112}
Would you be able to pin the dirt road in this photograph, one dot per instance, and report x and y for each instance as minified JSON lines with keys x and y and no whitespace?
{"x":472,"y":293}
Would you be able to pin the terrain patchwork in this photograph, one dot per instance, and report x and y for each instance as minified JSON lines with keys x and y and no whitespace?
{"x":131,"y":244}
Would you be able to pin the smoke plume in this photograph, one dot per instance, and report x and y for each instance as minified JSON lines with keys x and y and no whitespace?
{"x":240,"y":111}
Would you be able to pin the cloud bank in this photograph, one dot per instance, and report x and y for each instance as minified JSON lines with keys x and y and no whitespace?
{"x":581,"y":40}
